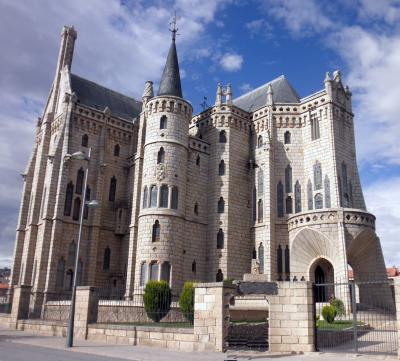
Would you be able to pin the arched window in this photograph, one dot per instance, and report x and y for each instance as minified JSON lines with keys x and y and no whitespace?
{"x":71,"y":253}
{"x":164,"y":196}
{"x":165,"y":271}
{"x":153,"y":196}
{"x":344,"y":177}
{"x":260,"y":142}
{"x":145,"y":196}
{"x":113,"y":189}
{"x":79,"y":275}
{"x":327,"y":189}
{"x":318,"y":200}
{"x":161,"y":156}
{"x":309,"y":195}
{"x":221,"y":168}
{"x":198,"y":160}
{"x":163,"y":122}
{"x":314,"y":127}
{"x":79,"y":181}
{"x":143,"y":273}
{"x":297,"y":197}
{"x":279,"y":193}
{"x":346,"y":200}
{"x":116,"y":150}
{"x":288,"y":179}
{"x":77,"y":209}
{"x":174,"y":198}
{"x":69,"y":279}
{"x":85,"y":140}
{"x":222,"y":136}
{"x":106,"y":259}
{"x":260,"y":182}
{"x":194,"y":266}
{"x":289,"y":205}
{"x":287,"y":137}
{"x":317,"y":176}
{"x":220,"y":239}
{"x":68,"y":199}
{"x":155,"y":236}
{"x":260,"y":211}
{"x":254,"y":204}
{"x":86,"y":208}
{"x":196,"y":209}
{"x":287,"y":260}
{"x":154,"y":271}
{"x":261,"y":257}
{"x":279,"y":260}
{"x":60,"y":273}
{"x":219,"y":277}
{"x":221,"y":205}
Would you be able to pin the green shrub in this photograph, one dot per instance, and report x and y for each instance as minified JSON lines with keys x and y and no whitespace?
{"x":329,"y":313}
{"x":186,"y":301}
{"x":157,"y":299}
{"x":339,"y":307}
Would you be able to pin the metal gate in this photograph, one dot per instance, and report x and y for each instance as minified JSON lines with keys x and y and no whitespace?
{"x":248,"y":324}
{"x":356,"y":316}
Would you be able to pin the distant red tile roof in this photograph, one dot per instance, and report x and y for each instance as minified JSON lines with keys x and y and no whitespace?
{"x":391,"y":272}
{"x":3,"y":285}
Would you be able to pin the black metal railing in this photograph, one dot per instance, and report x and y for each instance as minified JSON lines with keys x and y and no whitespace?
{"x":356,"y":316}
{"x":115,"y":306}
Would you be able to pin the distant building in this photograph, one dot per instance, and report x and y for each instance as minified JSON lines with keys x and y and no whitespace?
{"x":5,"y":274}
{"x":268,"y":175}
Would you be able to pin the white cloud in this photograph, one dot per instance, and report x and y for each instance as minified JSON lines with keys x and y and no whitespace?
{"x":301,"y":17}
{"x":373,"y":62}
{"x":387,"y":10}
{"x":259,"y":27}
{"x":231,"y":62}
{"x":245,"y":87}
{"x":383,"y":199}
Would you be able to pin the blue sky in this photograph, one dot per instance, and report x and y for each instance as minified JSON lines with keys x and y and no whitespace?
{"x":246,"y":43}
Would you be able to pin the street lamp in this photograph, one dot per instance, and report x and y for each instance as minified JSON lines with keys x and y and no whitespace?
{"x":91,"y":204}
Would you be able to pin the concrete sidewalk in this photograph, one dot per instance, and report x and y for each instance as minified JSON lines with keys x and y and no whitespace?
{"x":142,"y":353}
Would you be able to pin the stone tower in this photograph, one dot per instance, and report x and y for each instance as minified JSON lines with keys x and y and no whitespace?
{"x":161,"y":235}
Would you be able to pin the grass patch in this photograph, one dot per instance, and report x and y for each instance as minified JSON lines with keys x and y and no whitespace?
{"x":336,"y":325}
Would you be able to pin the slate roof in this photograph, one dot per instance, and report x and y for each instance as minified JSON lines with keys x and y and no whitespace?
{"x":99,"y":97}
{"x":283,"y":92}
{"x":170,"y":83}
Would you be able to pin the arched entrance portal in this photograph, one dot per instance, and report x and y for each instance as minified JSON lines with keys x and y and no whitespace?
{"x":322,"y":274}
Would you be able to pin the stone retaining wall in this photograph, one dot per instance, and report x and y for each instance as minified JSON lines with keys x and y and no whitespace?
{"x":43,"y":327}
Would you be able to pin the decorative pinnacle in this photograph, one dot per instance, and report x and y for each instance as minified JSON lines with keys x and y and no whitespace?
{"x":173,"y":24}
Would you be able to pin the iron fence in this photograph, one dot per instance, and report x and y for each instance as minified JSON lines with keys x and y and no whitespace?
{"x":356,"y":316}
{"x":5,"y":304}
{"x":114,"y":306}
{"x":52,"y":306}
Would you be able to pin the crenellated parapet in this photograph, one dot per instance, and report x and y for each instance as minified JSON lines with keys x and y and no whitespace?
{"x":169,"y":104}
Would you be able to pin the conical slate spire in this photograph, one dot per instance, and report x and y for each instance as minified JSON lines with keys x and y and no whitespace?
{"x":171,"y":81}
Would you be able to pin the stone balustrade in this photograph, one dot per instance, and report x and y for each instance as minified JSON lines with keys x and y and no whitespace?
{"x":331,"y":216}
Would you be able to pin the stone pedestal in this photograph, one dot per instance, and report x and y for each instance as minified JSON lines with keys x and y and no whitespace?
{"x":85,"y":310}
{"x":211,"y":315}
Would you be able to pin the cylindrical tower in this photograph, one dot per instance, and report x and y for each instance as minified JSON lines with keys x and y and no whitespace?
{"x":161,"y":229}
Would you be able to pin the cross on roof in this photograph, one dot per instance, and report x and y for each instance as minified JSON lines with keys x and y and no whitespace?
{"x":174,"y":29}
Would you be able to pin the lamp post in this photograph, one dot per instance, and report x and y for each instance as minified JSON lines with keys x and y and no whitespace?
{"x":92,"y":204}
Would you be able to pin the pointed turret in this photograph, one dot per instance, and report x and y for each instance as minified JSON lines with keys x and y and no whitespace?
{"x":171,"y":81}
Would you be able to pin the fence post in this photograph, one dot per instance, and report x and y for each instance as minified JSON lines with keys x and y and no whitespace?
{"x":86,"y":304}
{"x":397,"y":300}
{"x":211,"y":314}
{"x":354,"y":309}
{"x":20,"y":304}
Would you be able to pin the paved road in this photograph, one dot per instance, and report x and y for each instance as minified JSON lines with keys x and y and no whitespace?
{"x":23,"y":346}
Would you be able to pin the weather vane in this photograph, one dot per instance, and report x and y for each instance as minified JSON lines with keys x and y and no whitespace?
{"x":204,"y":104}
{"x":174,"y":28}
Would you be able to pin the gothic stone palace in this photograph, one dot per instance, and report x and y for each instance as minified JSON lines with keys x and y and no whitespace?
{"x":267,"y":176}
